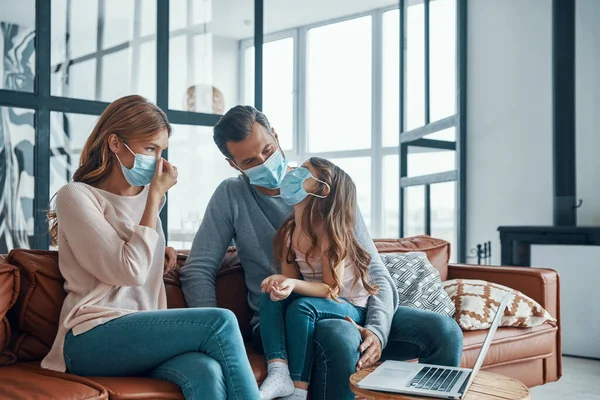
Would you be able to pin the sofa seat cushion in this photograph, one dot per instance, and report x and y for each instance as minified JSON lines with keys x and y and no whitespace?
{"x":257,"y":362}
{"x":23,"y":381}
{"x":510,"y":345}
{"x":139,"y":388}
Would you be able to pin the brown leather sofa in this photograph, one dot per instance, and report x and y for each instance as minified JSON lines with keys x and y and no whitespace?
{"x":31,"y":289}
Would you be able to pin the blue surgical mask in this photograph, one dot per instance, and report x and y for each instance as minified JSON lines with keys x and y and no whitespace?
{"x":270,"y":173}
{"x":292,"y":186}
{"x":143,"y":169}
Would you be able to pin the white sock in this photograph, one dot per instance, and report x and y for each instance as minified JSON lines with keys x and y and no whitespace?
{"x":299,"y":394}
{"x":278,"y":382}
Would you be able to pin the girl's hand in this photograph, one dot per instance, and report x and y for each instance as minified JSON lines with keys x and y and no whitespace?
{"x":269,"y":283}
{"x":165,"y":177}
{"x":170,"y":259}
{"x":283,"y":289}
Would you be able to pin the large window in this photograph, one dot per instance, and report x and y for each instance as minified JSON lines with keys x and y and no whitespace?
{"x":386,"y":114}
{"x":181,"y":54}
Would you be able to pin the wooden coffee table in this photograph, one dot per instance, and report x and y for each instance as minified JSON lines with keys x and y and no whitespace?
{"x":487,"y":386}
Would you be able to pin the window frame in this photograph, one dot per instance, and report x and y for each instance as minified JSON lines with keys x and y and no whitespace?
{"x":415,"y":137}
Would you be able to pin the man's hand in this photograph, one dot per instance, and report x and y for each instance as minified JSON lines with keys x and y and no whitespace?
{"x":370,"y":348}
{"x":170,"y":259}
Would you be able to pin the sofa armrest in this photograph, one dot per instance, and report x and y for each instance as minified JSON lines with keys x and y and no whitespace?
{"x":542,"y":285}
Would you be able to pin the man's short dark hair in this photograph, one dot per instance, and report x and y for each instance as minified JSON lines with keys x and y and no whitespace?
{"x":236,"y":125}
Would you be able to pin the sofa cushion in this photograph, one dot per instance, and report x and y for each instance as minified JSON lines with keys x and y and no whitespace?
{"x":139,"y":388}
{"x":40,"y":300}
{"x":9,"y":290}
{"x":418,"y":282}
{"x":477,"y":302}
{"x":258,"y":363}
{"x":23,"y":381}
{"x":510,"y":345}
{"x":437,"y":250}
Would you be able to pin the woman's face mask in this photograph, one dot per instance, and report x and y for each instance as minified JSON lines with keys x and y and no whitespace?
{"x":292,"y":187}
{"x":270,"y":173}
{"x":142,"y":171}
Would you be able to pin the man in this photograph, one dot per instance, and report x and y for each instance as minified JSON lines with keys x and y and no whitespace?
{"x":248,"y":211}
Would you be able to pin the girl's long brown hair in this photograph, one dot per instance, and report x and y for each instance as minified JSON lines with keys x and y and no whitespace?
{"x":130,"y":118}
{"x":333,"y":217}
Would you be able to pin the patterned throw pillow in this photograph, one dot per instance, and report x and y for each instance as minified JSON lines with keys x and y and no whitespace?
{"x":477,"y":302}
{"x":418,"y":282}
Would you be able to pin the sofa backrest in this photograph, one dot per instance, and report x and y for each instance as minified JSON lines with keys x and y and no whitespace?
{"x":34,"y":317}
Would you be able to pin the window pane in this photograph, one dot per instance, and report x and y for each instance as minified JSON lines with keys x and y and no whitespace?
{"x":201,"y":169}
{"x":339,"y":86}
{"x":17,"y":180}
{"x":249,"y":75}
{"x":447,"y":135}
{"x":390,"y":196}
{"x":424,"y":161}
{"x":415,"y":66}
{"x":203,"y":57}
{"x":414,"y":211}
{"x":118,"y":22}
{"x":68,"y":133}
{"x":17,"y":35}
{"x":443,"y":214}
{"x":119,"y":64}
{"x":391,"y":77}
{"x":278,"y":86}
{"x":359,"y":169}
{"x":442,"y":56}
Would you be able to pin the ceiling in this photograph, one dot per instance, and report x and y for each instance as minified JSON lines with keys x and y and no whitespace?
{"x":231,"y":17}
{"x":235,"y":18}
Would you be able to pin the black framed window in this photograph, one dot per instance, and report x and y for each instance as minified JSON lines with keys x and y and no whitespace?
{"x":196,"y":59}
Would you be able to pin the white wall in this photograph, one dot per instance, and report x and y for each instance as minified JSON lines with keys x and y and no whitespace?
{"x":509,"y":117}
{"x":588,"y":110}
{"x":509,"y":123}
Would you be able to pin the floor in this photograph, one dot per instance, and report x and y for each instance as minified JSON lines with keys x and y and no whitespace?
{"x":580,"y":380}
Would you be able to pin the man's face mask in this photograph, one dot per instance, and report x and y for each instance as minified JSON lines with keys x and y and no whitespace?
{"x":142,"y":171}
{"x":292,"y":186}
{"x":270,"y":173}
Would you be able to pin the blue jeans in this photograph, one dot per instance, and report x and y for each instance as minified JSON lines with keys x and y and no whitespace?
{"x":197,"y":349}
{"x":428,"y":336}
{"x":288,"y":327}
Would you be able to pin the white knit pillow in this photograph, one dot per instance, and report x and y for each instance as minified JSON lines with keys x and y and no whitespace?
{"x":477,"y":302}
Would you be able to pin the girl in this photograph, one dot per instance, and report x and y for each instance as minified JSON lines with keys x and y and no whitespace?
{"x":324,"y":274}
{"x":114,"y":320}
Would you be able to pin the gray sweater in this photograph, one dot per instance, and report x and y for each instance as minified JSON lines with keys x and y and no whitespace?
{"x":239,"y":214}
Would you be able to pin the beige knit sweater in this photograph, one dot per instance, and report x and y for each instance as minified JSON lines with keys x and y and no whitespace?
{"x":112,"y":266}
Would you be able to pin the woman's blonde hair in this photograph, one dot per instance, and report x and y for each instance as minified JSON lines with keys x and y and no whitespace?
{"x":130,"y":118}
{"x":334,"y":217}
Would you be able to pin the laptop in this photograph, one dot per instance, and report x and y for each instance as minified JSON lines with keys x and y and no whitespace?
{"x":431,"y":380}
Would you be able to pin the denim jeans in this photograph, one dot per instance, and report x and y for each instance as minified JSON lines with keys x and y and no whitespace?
{"x":198,"y":349}
{"x":428,"y":336}
{"x":288,"y":326}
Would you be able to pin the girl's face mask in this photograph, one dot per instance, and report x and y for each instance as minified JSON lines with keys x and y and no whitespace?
{"x":292,"y":187}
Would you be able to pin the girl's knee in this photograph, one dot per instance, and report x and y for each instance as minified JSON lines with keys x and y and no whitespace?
{"x":301,"y":309}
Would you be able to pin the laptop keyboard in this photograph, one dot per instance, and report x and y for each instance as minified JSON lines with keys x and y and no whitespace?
{"x":439,"y":379}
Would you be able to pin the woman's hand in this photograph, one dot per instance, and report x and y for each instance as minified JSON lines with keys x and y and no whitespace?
{"x":170,"y":259}
{"x":165,"y":177}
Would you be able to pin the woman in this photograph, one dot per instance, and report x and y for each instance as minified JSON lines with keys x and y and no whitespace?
{"x":114,"y":320}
